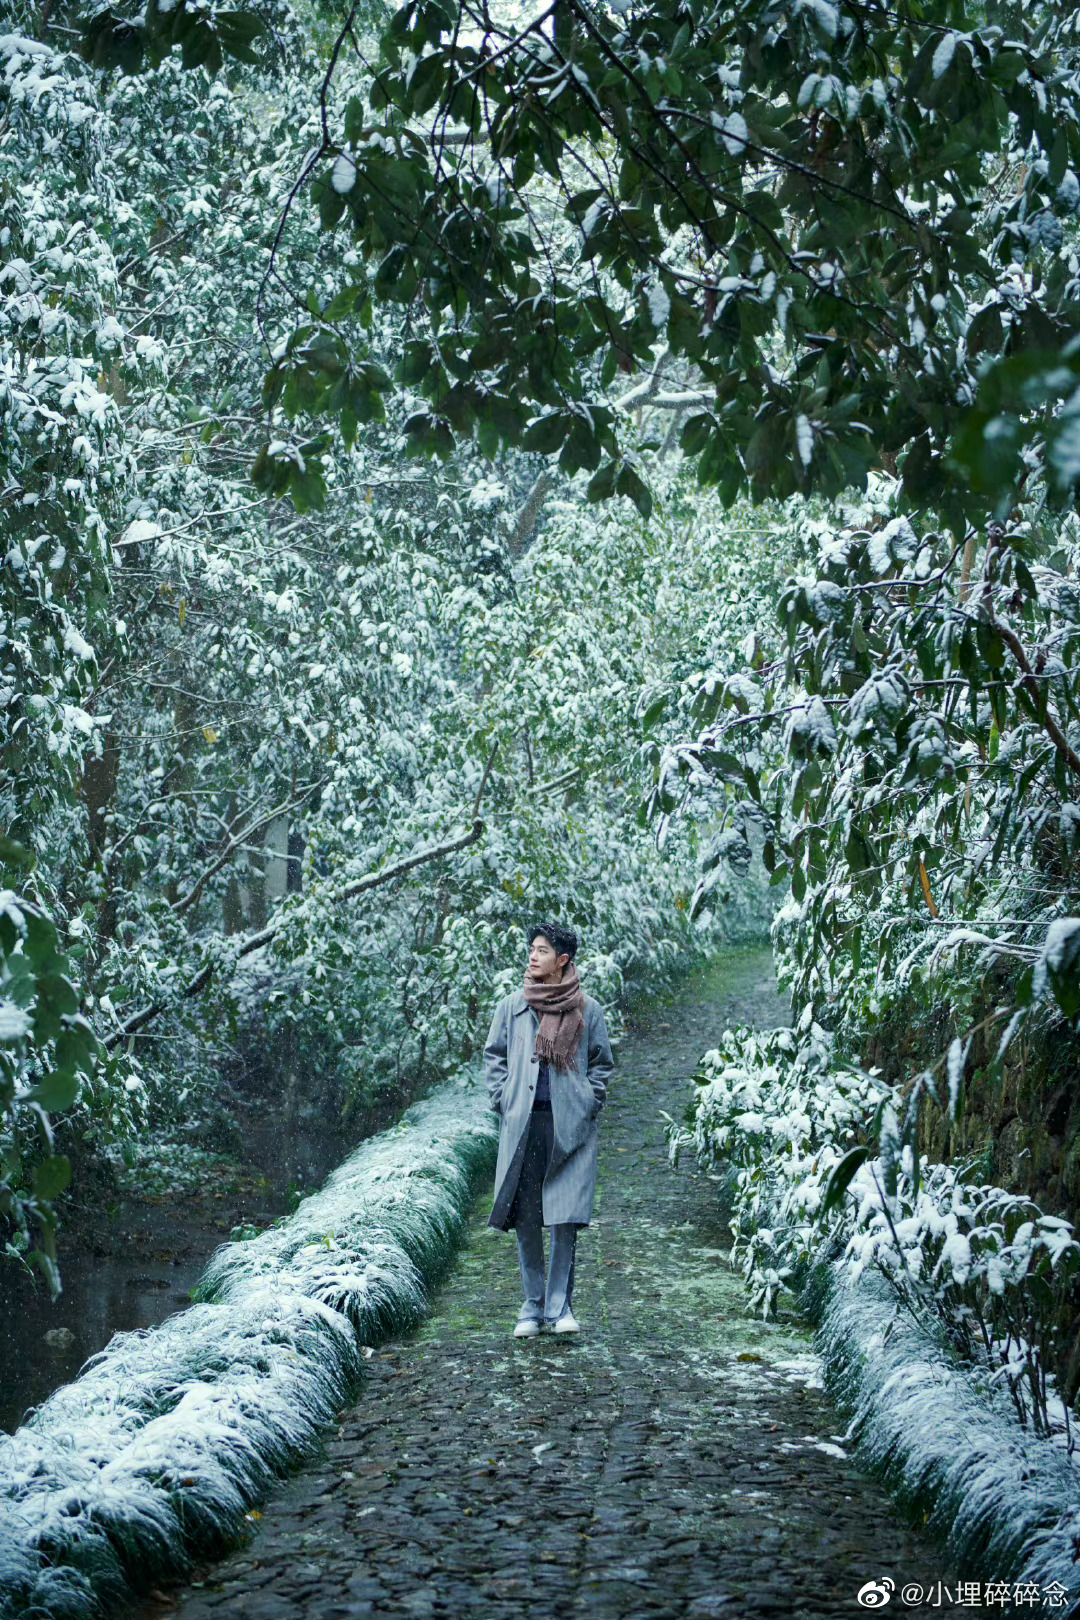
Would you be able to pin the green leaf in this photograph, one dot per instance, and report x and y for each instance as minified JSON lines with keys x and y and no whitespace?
{"x":426,"y":83}
{"x":109,"y":41}
{"x":628,"y":483}
{"x":77,"y":1047}
{"x":858,"y":851}
{"x":13,"y":853}
{"x":56,"y":1092}
{"x":487,"y":437}
{"x":985,"y":331}
{"x":1063,"y":968}
{"x":331,"y":205}
{"x":51,"y":1177}
{"x":840,"y":1179}
{"x":307,"y":489}
{"x":238,"y":31}
{"x":546,"y":434}
{"x":654,"y":712}
{"x":355,"y":119}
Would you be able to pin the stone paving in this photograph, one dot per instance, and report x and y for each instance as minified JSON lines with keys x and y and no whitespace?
{"x":677,"y":1458}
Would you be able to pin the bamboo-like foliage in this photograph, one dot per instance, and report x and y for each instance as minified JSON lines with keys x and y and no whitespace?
{"x":154,"y":1455}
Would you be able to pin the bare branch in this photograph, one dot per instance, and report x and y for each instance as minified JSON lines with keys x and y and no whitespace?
{"x":559,"y":781}
{"x":483,"y":783}
{"x":1031,"y":685}
{"x":387,"y":875}
{"x":525,"y":519}
{"x":254,"y":942}
{"x":235,"y":843}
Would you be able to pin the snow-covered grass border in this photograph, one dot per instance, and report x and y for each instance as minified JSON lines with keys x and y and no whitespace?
{"x":934,"y":1298}
{"x":151,"y":1458}
{"x":1004,"y":1502}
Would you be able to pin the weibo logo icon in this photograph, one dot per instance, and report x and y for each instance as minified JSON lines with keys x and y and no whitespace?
{"x":875,"y":1594}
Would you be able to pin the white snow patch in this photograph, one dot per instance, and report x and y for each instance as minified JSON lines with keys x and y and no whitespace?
{"x":14,"y":1021}
{"x":732,"y":131}
{"x":75,"y":643}
{"x":343,"y":175}
{"x":943,"y":55}
{"x":659,"y":305}
{"x":1058,"y":936}
{"x":140,"y":530}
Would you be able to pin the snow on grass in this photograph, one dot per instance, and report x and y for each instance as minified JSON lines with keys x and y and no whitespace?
{"x":926,"y":1298}
{"x":153,"y":1456}
{"x":1006,"y":1503}
{"x":383,"y":1225}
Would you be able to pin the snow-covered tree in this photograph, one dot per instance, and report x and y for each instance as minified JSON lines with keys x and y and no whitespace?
{"x":229,"y":718}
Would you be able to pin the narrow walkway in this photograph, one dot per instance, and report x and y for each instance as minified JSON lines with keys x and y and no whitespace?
{"x":677,"y":1459}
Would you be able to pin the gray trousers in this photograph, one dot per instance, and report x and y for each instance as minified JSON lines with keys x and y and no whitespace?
{"x":545,"y":1299}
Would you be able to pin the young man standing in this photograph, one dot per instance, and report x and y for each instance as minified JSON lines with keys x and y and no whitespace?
{"x":547,"y":1063}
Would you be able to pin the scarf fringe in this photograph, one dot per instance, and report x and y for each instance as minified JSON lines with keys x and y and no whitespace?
{"x":544,"y":1048}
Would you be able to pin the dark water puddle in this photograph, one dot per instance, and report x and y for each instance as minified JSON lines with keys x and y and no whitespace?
{"x":134,"y":1262}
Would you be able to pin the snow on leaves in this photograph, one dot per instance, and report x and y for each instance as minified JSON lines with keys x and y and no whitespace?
{"x":226,"y":709}
{"x":926,"y":714}
{"x":943,"y":54}
{"x":732,"y":184}
{"x":810,"y":729}
{"x":988,"y":1265}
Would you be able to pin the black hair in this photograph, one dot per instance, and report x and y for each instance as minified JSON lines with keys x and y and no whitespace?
{"x":562,"y":940}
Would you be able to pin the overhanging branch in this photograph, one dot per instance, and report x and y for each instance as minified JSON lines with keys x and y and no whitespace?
{"x":254,"y":942}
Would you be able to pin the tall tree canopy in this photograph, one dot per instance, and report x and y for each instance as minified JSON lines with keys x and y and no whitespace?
{"x":229,"y":719}
{"x":792,"y":250}
{"x":840,"y":221}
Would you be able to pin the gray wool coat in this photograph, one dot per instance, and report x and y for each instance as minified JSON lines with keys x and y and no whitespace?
{"x":577,"y":1097}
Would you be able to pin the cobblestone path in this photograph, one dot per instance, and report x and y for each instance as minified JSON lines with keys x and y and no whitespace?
{"x":677,"y":1458}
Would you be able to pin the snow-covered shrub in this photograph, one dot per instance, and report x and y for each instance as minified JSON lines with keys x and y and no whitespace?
{"x":775,"y":1113}
{"x":794,"y":1126}
{"x":154,"y":1455}
{"x":905,"y":737}
{"x":991,"y":1265}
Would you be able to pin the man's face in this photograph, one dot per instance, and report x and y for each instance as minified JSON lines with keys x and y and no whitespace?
{"x":544,"y":964}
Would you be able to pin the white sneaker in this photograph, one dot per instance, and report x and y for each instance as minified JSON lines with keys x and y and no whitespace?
{"x":527,"y":1329}
{"x":568,"y":1323}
